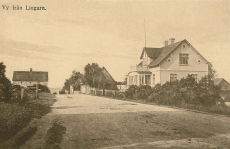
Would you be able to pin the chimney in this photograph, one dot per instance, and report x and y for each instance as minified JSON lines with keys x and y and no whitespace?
{"x":172,"y":40}
{"x":166,"y":43}
{"x":30,"y":77}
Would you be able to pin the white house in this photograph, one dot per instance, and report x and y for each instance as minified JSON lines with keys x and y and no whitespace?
{"x":169,"y":63}
{"x":30,"y":78}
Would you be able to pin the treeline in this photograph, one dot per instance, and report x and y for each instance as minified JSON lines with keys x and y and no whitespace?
{"x":5,"y":85}
{"x":93,"y":76}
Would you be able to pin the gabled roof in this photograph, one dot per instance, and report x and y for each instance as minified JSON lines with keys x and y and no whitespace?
{"x":218,"y":80}
{"x":159,"y":54}
{"x":30,"y":76}
{"x":140,"y":64}
{"x":151,"y":52}
{"x":165,"y":51}
{"x":107,"y":74}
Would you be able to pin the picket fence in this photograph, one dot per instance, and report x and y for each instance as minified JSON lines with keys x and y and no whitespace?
{"x":108,"y":93}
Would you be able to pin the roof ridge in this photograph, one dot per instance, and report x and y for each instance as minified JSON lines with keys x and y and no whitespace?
{"x":167,"y":50}
{"x":30,"y":71}
{"x":174,"y":43}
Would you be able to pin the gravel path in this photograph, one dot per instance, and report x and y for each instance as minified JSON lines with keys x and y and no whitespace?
{"x":98,"y":122}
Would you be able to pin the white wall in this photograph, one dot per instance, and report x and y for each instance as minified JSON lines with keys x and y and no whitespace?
{"x":27,"y":83}
{"x":156,"y":71}
{"x":171,"y":64}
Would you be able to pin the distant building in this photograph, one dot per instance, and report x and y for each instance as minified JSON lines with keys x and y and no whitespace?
{"x":109,"y":79}
{"x":111,"y":83}
{"x":171,"y":62}
{"x":85,"y":89}
{"x":30,"y":78}
{"x":224,"y":87}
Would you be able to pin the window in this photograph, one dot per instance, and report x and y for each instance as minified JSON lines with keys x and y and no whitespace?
{"x":130,"y":80}
{"x":142,"y":79}
{"x":194,"y":76}
{"x":173,"y":77}
{"x":147,"y":79}
{"x":153,"y":79}
{"x":135,"y":79}
{"x":183,"y":60}
{"x":139,"y":79}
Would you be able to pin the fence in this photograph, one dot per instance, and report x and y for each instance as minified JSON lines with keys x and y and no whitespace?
{"x":108,"y":93}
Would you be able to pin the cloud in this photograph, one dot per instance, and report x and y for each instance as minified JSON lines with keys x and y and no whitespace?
{"x":14,"y":48}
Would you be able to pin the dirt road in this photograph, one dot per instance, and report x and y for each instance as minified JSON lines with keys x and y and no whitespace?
{"x":84,"y":121}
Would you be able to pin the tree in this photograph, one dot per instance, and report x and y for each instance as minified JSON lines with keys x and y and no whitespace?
{"x":188,"y":87}
{"x":208,"y":94}
{"x":211,"y":72}
{"x":5,"y":85}
{"x":75,"y":80}
{"x":93,"y":75}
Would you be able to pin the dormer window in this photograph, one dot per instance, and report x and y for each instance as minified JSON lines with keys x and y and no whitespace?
{"x":183,"y":59}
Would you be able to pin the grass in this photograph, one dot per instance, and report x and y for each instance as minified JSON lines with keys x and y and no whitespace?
{"x":217,"y":109}
{"x":54,"y":135}
{"x":15,"y":116}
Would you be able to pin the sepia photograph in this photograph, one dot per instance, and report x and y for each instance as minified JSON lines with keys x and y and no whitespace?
{"x":115,"y":74}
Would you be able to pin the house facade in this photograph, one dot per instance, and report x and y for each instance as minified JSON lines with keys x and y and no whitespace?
{"x":30,"y":78}
{"x":169,"y":63}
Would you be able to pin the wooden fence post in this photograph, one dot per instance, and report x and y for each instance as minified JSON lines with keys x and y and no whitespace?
{"x":22,"y":92}
{"x":36,"y":96}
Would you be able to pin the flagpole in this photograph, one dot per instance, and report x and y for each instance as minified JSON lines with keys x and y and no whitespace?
{"x":145,"y":32}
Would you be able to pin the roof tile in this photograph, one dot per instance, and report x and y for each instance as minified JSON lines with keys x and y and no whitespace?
{"x":30,"y":76}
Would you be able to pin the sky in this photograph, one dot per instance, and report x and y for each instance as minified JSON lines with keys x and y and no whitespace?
{"x":70,"y":34}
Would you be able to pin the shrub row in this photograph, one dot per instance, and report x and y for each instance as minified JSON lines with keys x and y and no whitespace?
{"x":184,"y":91}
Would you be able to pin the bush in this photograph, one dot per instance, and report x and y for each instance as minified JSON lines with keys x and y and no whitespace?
{"x":42,"y":88}
{"x":131,"y":91}
{"x":187,"y":91}
{"x":138,"y":92}
{"x":109,"y":94}
{"x":61,"y":92}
